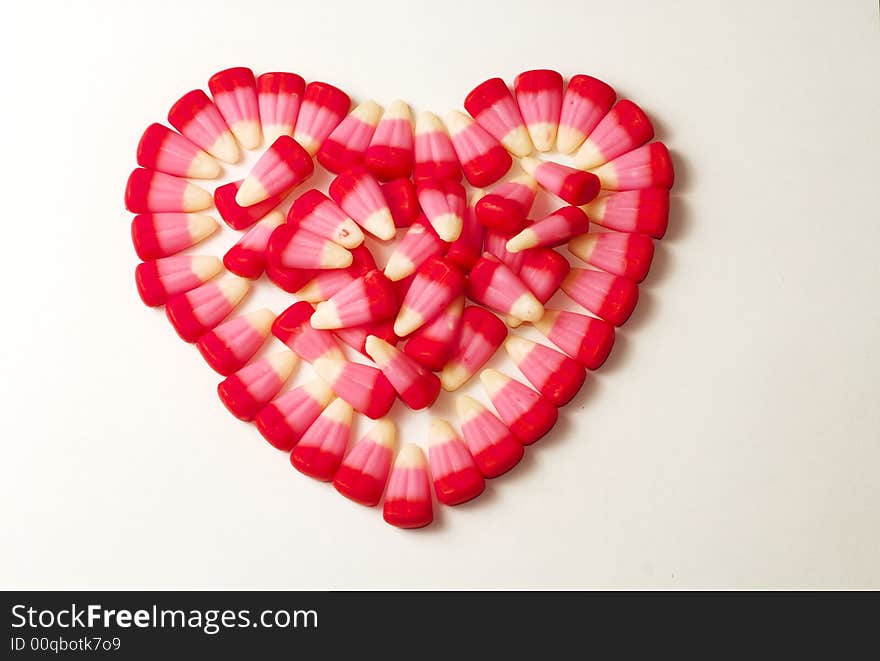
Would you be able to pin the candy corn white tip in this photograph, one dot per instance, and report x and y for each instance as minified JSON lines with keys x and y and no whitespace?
{"x":398,"y":110}
{"x":200,"y":226}
{"x":525,"y":180}
{"x":568,"y":139}
{"x":428,"y":122}
{"x":272,"y":132}
{"x":283,"y":363}
{"x":543,"y":135}
{"x":383,"y":432}
{"x":234,"y":288}
{"x":248,"y":133}
{"x":440,"y":431}
{"x":334,"y":256}
{"x":308,"y":143}
{"x":250,"y":192}
{"x":518,"y":348}
{"x":410,"y":456}
{"x":408,"y":320}
{"x":456,"y":121}
{"x":588,"y":156}
{"x":319,"y":391}
{"x":493,"y":381}
{"x":369,"y":112}
{"x":398,"y":267}
{"x":204,"y":166}
{"x":527,"y":308}
{"x":380,"y":224}
{"x":226,"y":149}
{"x":518,"y":142}
{"x":582,"y":246}
{"x":523,"y":241}
{"x":453,"y":377}
{"x":349,"y":235}
{"x":448,"y":226}
{"x":326,"y":316}
{"x":467,"y":408}
{"x":530,"y":165}
{"x":205,"y":267}
{"x":261,"y":320}
{"x":339,"y":411}
{"x":513,"y":322}
{"x":196,"y":199}
{"x":379,"y":350}
{"x":329,"y":369}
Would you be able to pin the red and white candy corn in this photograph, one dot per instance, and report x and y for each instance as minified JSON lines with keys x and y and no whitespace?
{"x":196,"y":117}
{"x":432,"y":344}
{"x":457,"y":479}
{"x":552,"y":230}
{"x":359,"y":195}
{"x":348,"y":142}
{"x":317,"y":213}
{"x":586,"y":101}
{"x":494,"y":285}
{"x":235,"y":94}
{"x":163,"y":150}
{"x":321,"y":448}
{"x":160,"y":279}
{"x":483,"y":160}
{"x":247,"y":257}
{"x":481,"y":335}
{"x":390,"y":154}
{"x":648,"y":166}
{"x":281,"y":167}
{"x":492,"y":105}
{"x":253,"y":386}
{"x":436,"y":285}
{"x":230,"y":345}
{"x":323,"y":108}
{"x":586,"y":339}
{"x":408,"y":498}
{"x":364,"y":471}
{"x":368,"y":299}
{"x":279,"y":95}
{"x":199,"y":310}
{"x":402,"y":200}
{"x":237,"y":216}
{"x":434,"y":154}
{"x":620,"y":131}
{"x":526,"y":413}
{"x":627,"y":255}
{"x":444,"y":202}
{"x":419,"y":244}
{"x":467,"y":248}
{"x":505,"y":207}
{"x":492,"y":445}
{"x":643,"y":211}
{"x":418,"y":388}
{"x":326,"y":282}
{"x":306,"y":250}
{"x":556,"y":376}
{"x":157,"y":235}
{"x":148,"y":191}
{"x":573,"y":186}
{"x":286,"y":418}
{"x":539,"y":96}
{"x":608,"y":296}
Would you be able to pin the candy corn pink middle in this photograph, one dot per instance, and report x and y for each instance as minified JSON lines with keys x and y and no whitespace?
{"x":321,"y":448}
{"x":286,"y":418}
{"x":492,"y":445}
{"x":437,"y":283}
{"x":457,"y":479}
{"x":156,"y":235}
{"x":586,"y":339}
{"x":364,"y":471}
{"x":494,"y":285}
{"x":282,"y":166}
{"x":417,"y":387}
{"x":148,"y":191}
{"x":528,"y":415}
{"x":253,"y":386}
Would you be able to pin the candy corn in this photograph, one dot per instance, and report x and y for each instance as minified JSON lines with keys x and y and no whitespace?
{"x":586,"y":101}
{"x":607,"y":296}
{"x":356,"y":336}
{"x":586,"y":339}
{"x":368,"y":299}
{"x":292,"y":327}
{"x":492,"y":445}
{"x":148,"y":191}
{"x":542,"y":271}
{"x":160,"y":279}
{"x":483,"y":160}
{"x":362,"y":386}
{"x":279,"y":95}
{"x":457,"y":479}
{"x":496,"y":245}
{"x":419,"y":244}
{"x":348,"y":142}
{"x":197,"y":118}
{"x":402,"y":200}
{"x":434,"y":154}
{"x":494,"y":285}
{"x":432,"y":344}
{"x":648,"y":166}
{"x":326,"y":282}
{"x":492,"y":105}
{"x":417,"y":387}
{"x":467,"y":248}
{"x":364,"y":471}
{"x":552,"y":230}
{"x":640,"y":211}
{"x":281,"y":167}
{"x":315,"y":212}
{"x":323,"y":108}
{"x":230,"y":345}
{"x":157,"y":235}
{"x":505,"y":207}
{"x":573,"y":186}
{"x":306,"y":250}
{"x":556,"y":376}
{"x":286,"y":418}
{"x":444,"y":202}
{"x":163,"y":150}
{"x":481,"y":335}
{"x":390,"y":153}
{"x":620,"y":131}
{"x":436,"y":285}
{"x":408,"y":499}
{"x":253,"y":386}
{"x":288,"y":279}
{"x":627,"y":255}
{"x":526,"y":413}
{"x":247,"y":257}
{"x":321,"y":448}
{"x":237,"y":216}
{"x":359,"y":195}
{"x":235,"y":94}
{"x":199,"y":310}
{"x":539,"y":96}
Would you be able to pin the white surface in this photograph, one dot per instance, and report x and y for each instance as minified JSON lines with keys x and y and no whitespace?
{"x":733,"y":438}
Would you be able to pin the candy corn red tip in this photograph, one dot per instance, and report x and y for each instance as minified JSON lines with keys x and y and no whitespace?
{"x":432,"y":344}
{"x":444,"y":203}
{"x":247,"y":257}
{"x":163,"y":150}
{"x":434,"y":154}
{"x":494,"y":448}
{"x":417,"y":387}
{"x":528,"y":415}
{"x":364,"y":471}
{"x":156,"y":235}
{"x":586,"y":101}
{"x":408,"y":499}
{"x":195,"y":312}
{"x":235,"y":94}
{"x":253,"y":386}
{"x":623,"y":129}
{"x":323,"y":108}
{"x":321,"y":448}
{"x":198,"y":119}
{"x":626,"y":255}
{"x":368,"y":299}
{"x":281,"y":167}
{"x":390,"y":154}
{"x":358,"y":193}
{"x":317,"y":213}
{"x":492,"y":105}
{"x":608,"y":296}
{"x":586,"y":339}
{"x":637,"y":211}
{"x":148,"y":191}
{"x":539,"y":97}
{"x":437,"y":283}
{"x":556,"y":376}
{"x":160,"y":279}
{"x":552,"y":230}
{"x":237,"y":216}
{"x":573,"y":186}
{"x":348,"y":142}
{"x":279,"y":95}
{"x":418,"y":245}
{"x":457,"y":479}
{"x":402,"y":201}
{"x":493,"y":284}
{"x":505,"y":207}
{"x":480,"y":336}
{"x":230,"y":345}
{"x":284,"y":420}
{"x":483,"y":160}
{"x":649,"y":166}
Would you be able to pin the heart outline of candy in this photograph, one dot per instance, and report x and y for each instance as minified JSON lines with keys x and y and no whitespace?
{"x":394,"y":173}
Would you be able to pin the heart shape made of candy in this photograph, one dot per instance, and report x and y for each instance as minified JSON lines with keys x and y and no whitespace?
{"x":470,"y":264}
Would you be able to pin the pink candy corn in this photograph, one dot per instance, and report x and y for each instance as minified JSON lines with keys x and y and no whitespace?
{"x":492,"y":105}
{"x":160,"y":279}
{"x":457,"y":479}
{"x":586,"y":339}
{"x":157,"y":235}
{"x":408,"y":499}
{"x":364,"y":471}
{"x":492,"y":445}
{"x":627,"y":255}
{"x":321,"y":448}
{"x":586,"y":101}
{"x":326,"y":282}
{"x":235,"y":94}
{"x":481,"y":335}
{"x":148,"y":191}
{"x":483,"y":160}
{"x":607,"y":296}
{"x":163,"y":150}
{"x":292,"y":327}
{"x":467,"y":248}
{"x":539,"y":96}
{"x":237,"y":216}
{"x":436,"y":285}
{"x":230,"y":345}
{"x":279,"y":95}
{"x":199,"y":310}
{"x":253,"y":386}
{"x":419,"y":244}
{"x":542,"y":271}
{"x":496,"y":244}
{"x":390,"y":153}
{"x":281,"y":167}
{"x":444,"y":203}
{"x":400,"y":196}
{"x":432,"y":344}
{"x":526,"y":413}
{"x":573,"y":186}
{"x":368,"y":299}
{"x":552,"y":230}
{"x":196,"y":117}
{"x":305,"y":250}
{"x":417,"y":387}
{"x":620,"y":131}
{"x":288,"y":279}
{"x":648,"y":166}
{"x":643,"y":211}
{"x":505,"y":207}
{"x":247,"y":257}
{"x":348,"y":142}
{"x":556,"y":376}
{"x":494,"y":285}
{"x":286,"y":418}
{"x":356,"y":336}
{"x":434,"y":154}
{"x":315,"y":212}
{"x":323,"y":108}
{"x":359,"y":195}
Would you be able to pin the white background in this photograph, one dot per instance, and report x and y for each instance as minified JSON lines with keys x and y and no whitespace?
{"x":733,"y":439}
